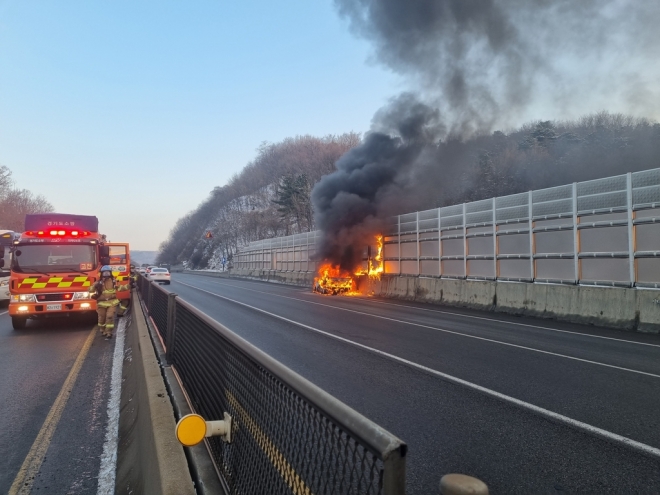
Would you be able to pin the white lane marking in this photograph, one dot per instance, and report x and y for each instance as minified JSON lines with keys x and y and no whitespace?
{"x":4,"y":313}
{"x":107,"y":471}
{"x":608,"y":435}
{"x":467,"y":335}
{"x":506,"y":321}
{"x":362,"y":298}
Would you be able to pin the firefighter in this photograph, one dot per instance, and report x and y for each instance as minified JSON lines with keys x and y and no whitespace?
{"x":105,"y":293}
{"x":124,"y":304}
{"x":133,"y":276}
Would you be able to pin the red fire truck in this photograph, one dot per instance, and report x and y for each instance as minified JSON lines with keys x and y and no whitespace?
{"x":55,"y":262}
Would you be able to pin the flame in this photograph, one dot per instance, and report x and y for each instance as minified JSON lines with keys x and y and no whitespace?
{"x":375,"y":265}
{"x":332,"y":280}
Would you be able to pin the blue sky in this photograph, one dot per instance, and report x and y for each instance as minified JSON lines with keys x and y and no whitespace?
{"x":134,"y":111}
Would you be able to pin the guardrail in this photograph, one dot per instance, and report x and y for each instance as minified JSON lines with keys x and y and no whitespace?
{"x":288,"y":435}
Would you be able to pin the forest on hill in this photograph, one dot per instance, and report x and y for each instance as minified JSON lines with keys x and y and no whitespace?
{"x":15,"y":203}
{"x":270,"y":197}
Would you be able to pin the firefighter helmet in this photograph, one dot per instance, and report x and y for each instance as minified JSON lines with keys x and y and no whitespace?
{"x":106,"y":271}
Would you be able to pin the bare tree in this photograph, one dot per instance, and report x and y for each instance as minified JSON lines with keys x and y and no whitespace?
{"x":16,"y":203}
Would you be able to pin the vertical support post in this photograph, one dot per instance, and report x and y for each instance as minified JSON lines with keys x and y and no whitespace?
{"x":439,"y":244}
{"x":576,"y":236}
{"x":394,"y":472}
{"x":465,"y":245}
{"x":631,"y":230}
{"x":419,"y":248}
{"x":495,"y":250}
{"x":530,"y":212}
{"x":171,"y":322}
{"x":399,"y":237}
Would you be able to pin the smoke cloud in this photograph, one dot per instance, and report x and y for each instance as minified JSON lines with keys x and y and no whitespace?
{"x":474,"y":66}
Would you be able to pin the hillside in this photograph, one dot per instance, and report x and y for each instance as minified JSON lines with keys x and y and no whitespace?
{"x":271,"y":196}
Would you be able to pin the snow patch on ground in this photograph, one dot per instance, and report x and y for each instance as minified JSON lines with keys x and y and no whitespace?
{"x":108,"y":469}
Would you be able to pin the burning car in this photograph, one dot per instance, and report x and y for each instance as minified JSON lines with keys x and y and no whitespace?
{"x":332,"y":280}
{"x":333,"y":285}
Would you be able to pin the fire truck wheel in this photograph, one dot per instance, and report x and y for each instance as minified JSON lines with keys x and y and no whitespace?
{"x":18,"y":323}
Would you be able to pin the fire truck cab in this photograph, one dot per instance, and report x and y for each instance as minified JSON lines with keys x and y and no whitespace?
{"x":55,"y":262}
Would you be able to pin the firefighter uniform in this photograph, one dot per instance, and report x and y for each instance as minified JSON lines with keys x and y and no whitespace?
{"x":124,"y":304}
{"x":106,"y":301}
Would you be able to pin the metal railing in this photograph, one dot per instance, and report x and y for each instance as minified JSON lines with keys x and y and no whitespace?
{"x":288,"y":435}
{"x":599,"y":232}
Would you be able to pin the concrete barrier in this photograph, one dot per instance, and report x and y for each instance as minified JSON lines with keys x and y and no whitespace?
{"x":149,"y":460}
{"x":628,"y":309}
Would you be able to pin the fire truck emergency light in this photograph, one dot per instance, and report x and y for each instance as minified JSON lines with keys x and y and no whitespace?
{"x":192,"y":428}
{"x":73,"y":233}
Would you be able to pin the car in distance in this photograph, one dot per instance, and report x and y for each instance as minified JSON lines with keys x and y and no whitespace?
{"x":159,"y":275}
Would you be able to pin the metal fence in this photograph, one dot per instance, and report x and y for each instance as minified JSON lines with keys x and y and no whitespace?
{"x":293,"y":253}
{"x":598,"y":232}
{"x":288,"y":436}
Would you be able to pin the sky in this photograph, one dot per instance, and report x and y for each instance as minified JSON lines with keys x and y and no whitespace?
{"x":135,"y":111}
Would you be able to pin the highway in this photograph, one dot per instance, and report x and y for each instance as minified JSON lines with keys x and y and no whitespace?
{"x":527,"y":405}
{"x":54,"y":393}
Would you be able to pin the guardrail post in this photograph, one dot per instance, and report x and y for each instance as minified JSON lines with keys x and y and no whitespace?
{"x":439,"y":244}
{"x":394,"y":473}
{"x":530,"y":213}
{"x":465,"y":245}
{"x":495,"y":243}
{"x":399,"y":237}
{"x":171,"y":322}
{"x":631,"y":230}
{"x":576,"y":236}
{"x":419,"y":248}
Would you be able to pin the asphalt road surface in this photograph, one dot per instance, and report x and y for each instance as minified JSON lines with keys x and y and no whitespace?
{"x":54,"y":395}
{"x":526,"y":405}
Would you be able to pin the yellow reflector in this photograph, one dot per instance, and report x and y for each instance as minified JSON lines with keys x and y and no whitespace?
{"x":190,"y":430}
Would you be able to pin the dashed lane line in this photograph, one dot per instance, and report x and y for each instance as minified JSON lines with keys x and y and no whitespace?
{"x":467,"y":335}
{"x":559,"y":418}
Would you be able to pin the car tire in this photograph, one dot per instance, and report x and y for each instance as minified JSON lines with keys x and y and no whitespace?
{"x":167,"y":283}
{"x":18,"y":322}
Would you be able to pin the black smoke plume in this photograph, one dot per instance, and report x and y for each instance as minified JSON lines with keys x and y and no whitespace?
{"x":474,"y":66}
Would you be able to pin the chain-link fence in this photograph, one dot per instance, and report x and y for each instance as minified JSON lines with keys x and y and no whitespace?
{"x":288,"y":436}
{"x":598,"y":232}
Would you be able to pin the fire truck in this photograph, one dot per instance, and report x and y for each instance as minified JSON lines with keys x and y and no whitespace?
{"x":54,"y":263}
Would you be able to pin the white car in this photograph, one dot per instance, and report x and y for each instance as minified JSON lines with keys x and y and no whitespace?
{"x":159,"y":275}
{"x":4,"y":288}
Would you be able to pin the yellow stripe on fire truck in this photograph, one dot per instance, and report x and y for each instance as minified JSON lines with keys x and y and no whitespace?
{"x":53,"y":282}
